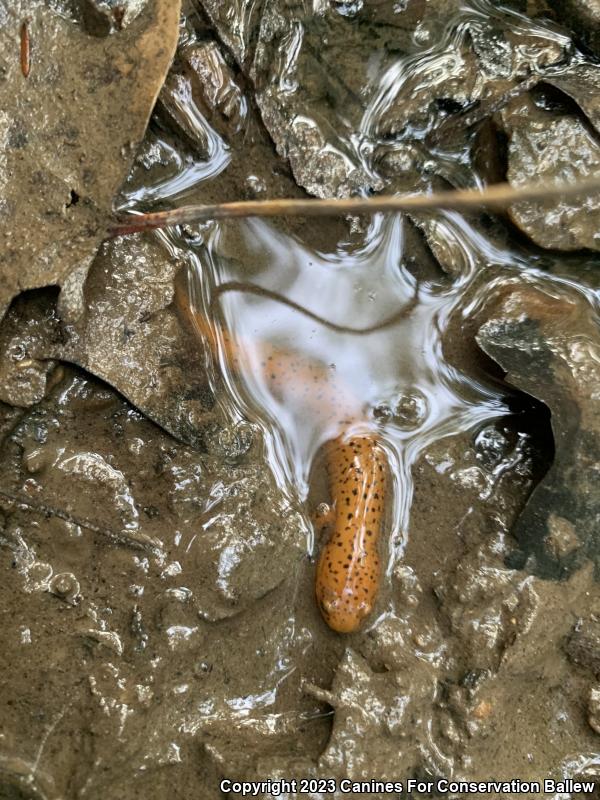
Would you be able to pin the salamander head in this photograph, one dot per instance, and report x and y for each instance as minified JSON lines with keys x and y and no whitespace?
{"x":344,"y":613}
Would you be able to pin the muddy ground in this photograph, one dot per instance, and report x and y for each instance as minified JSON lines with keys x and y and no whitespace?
{"x":159,"y":628}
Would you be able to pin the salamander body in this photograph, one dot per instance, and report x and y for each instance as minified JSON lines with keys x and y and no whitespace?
{"x":348,"y":570}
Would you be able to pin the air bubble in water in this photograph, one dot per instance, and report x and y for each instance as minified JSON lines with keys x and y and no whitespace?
{"x":411,"y":410}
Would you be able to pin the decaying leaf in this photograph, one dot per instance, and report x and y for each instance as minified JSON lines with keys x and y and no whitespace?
{"x":66,"y":143}
{"x":549,"y":347}
{"x":552,"y":147}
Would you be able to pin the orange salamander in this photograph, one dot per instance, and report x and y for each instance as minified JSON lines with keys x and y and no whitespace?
{"x":348,"y":570}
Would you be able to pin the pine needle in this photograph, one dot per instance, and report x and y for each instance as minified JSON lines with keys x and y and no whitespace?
{"x":497,"y":196}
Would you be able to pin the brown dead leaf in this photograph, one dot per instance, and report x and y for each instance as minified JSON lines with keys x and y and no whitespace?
{"x":69,"y":131}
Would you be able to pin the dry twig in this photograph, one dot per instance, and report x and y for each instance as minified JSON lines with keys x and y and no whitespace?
{"x":498,"y":196}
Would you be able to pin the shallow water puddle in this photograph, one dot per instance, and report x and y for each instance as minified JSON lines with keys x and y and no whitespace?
{"x":334,"y":344}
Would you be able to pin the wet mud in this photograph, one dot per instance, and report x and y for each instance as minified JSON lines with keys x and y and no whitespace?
{"x":193,"y":421}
